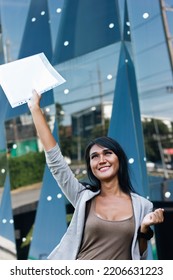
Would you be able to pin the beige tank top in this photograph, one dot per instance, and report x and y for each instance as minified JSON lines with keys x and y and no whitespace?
{"x":106,"y":240}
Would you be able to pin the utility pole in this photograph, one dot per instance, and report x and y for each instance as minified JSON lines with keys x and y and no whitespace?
{"x":101,"y":99}
{"x":160,"y":149}
{"x":7,"y":60}
{"x":169,"y":38}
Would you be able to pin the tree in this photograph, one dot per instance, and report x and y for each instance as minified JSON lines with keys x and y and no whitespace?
{"x":152,"y":136}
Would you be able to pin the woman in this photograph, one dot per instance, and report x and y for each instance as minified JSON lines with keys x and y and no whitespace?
{"x":110,"y":220}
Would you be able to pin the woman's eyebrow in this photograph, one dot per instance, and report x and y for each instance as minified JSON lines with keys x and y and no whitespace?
{"x":95,"y":153}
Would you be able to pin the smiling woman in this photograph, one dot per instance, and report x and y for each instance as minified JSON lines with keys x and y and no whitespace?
{"x":104,"y":163}
{"x":108,"y":212}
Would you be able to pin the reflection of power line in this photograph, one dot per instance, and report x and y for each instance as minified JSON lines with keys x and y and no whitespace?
{"x":101,"y":97}
{"x":154,"y":74}
{"x":144,"y":23}
{"x":86,"y":99}
{"x":151,"y":48}
{"x":93,"y":59}
{"x":91,"y":84}
{"x":158,"y":92}
{"x":106,"y":81}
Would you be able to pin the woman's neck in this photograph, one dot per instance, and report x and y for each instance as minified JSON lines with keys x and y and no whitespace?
{"x":110,"y":188}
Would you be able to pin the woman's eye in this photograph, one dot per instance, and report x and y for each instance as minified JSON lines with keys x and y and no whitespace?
{"x":108,"y":153}
{"x":93,"y":156}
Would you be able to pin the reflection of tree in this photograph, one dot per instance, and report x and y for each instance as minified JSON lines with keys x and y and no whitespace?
{"x":151,"y":138}
{"x":59,"y":113}
{"x":99,"y":130}
{"x":67,"y":142}
{"x":3,"y":167}
{"x":70,"y":143}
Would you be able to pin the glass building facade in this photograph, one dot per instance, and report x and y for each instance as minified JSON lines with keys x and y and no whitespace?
{"x":117,"y":59}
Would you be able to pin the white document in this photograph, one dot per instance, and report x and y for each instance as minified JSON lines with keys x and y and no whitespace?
{"x":20,"y":77}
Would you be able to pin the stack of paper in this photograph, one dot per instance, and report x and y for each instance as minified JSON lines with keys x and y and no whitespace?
{"x":20,"y":77}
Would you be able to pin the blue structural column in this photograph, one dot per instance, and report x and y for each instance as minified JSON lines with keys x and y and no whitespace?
{"x":50,"y":223}
{"x":37,"y":35}
{"x":7,"y":236}
{"x":84,"y":24}
{"x":125,"y":124}
{"x":7,"y":239}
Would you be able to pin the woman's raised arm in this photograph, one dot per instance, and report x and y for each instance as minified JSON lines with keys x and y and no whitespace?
{"x":41,"y":125}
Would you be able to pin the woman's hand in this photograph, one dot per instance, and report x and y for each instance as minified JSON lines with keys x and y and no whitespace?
{"x":152,"y":218}
{"x":34,"y":102}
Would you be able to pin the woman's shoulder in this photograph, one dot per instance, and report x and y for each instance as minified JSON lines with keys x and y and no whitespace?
{"x":142,"y":198}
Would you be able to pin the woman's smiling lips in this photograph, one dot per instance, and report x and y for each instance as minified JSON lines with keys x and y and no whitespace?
{"x":104,"y":168}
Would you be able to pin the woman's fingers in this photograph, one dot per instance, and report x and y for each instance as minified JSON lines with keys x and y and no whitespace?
{"x":34,"y":100}
{"x":159,"y":215}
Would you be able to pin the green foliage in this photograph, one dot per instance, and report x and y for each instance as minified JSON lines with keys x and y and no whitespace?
{"x":152,"y":135}
{"x":3,"y":166}
{"x":27,"y":169}
{"x":28,"y":238}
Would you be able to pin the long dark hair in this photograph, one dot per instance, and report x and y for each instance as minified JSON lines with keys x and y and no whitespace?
{"x":123,"y":172}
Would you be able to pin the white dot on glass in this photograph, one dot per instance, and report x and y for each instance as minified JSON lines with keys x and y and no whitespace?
{"x":58,"y":10}
{"x":23,"y":239}
{"x":111,"y":25}
{"x":126,"y":60}
{"x":127,"y":23}
{"x":33,"y":19}
{"x":59,"y":195}
{"x":167,"y":194}
{"x":131,"y":160}
{"x":93,"y":108}
{"x":62,"y":113}
{"x":145,"y":15}
{"x":49,"y":198}
{"x":2,"y":170}
{"x":11,"y":221}
{"x":66,"y":43}
{"x":145,"y":159}
{"x":66,"y":91}
{"x":42,"y":13}
{"x":14,"y":146}
{"x":47,"y":109}
{"x":128,"y":32}
{"x":4,"y":221}
{"x":109,"y":77}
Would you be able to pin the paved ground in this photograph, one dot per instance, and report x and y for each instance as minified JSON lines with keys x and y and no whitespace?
{"x":24,"y":195}
{"x":21,"y":198}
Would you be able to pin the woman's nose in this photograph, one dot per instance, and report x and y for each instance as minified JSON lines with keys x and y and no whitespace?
{"x":102,"y":159}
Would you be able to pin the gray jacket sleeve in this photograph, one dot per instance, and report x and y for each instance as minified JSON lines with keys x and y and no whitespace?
{"x":63,"y":175}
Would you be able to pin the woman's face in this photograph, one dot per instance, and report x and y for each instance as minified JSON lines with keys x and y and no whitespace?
{"x":104,"y":163}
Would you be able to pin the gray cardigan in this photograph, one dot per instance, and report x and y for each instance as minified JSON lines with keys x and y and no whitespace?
{"x":78,"y":195}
